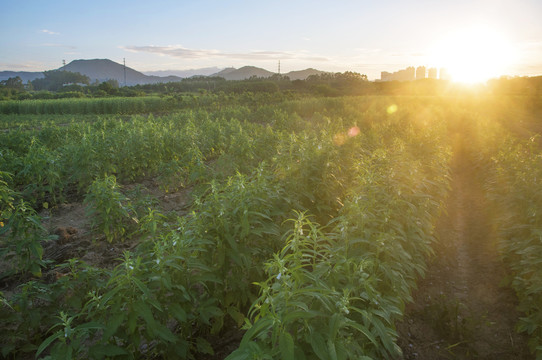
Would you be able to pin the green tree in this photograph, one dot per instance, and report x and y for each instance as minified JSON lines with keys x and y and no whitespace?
{"x":110,"y":86}
{"x":55,"y":80}
{"x":15,"y":83}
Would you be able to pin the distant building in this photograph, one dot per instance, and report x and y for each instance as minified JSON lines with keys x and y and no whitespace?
{"x":407,"y":74}
{"x":420,"y":72}
{"x":432,"y":73}
{"x":444,"y":74}
{"x":385,"y":76}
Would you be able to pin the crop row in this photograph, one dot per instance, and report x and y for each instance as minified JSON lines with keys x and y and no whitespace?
{"x":514,"y":186}
{"x":88,"y":106}
{"x":334,"y":290}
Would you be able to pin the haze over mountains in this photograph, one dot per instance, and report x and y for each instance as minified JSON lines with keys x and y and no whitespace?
{"x":104,"y":69}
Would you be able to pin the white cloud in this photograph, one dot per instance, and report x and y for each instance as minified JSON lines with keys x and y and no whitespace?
{"x":182,"y":52}
{"x":49,"y":32}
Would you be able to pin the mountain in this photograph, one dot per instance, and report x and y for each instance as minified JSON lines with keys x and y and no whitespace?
{"x":185,"y":73}
{"x":224,"y":72}
{"x":247,"y":72}
{"x":24,"y":75}
{"x":243,"y":73}
{"x":303,"y":74}
{"x":105,"y":69}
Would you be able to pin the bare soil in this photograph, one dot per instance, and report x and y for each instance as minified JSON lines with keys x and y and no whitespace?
{"x":76,"y":239}
{"x":462,"y":309}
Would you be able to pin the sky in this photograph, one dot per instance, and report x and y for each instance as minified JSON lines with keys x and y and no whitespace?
{"x":362,"y":36}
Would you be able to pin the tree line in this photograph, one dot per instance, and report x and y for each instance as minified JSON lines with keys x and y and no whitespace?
{"x":66,"y":84}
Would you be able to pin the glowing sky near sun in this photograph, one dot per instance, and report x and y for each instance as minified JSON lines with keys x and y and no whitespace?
{"x":362,"y":36}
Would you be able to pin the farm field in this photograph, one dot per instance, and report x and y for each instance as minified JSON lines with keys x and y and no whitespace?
{"x":261,"y":226}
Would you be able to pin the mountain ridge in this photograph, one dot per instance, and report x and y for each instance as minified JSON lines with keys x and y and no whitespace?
{"x":105,"y":69}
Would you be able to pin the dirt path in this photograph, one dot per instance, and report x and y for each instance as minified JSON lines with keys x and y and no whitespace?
{"x":461,"y":310}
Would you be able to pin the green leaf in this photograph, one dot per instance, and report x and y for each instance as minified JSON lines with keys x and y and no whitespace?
{"x":204,"y":346}
{"x":143,"y":310}
{"x":239,"y":354}
{"x":144,"y":289}
{"x":109,"y":295}
{"x":362,"y":329}
{"x":258,"y":327}
{"x":48,"y":342}
{"x":178,"y":312}
{"x":164,"y":333}
{"x":286,"y":345}
{"x":318,"y":345}
{"x":334,"y":325}
{"x":331,"y":349}
{"x":217,"y":325}
{"x":35,"y":269}
{"x":209,"y":311}
{"x":236,"y":315}
{"x":89,"y":325}
{"x":132,"y":321}
{"x":298,"y":314}
{"x":113,"y":325}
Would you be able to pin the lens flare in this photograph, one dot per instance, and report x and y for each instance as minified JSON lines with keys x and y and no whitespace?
{"x":392,"y":109}
{"x":353,"y":131}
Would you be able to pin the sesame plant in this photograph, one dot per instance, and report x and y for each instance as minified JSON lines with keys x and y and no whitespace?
{"x":335,"y":293}
{"x":21,"y":233}
{"x":513,"y":186}
{"x":362,"y":189}
{"x":110,"y":210}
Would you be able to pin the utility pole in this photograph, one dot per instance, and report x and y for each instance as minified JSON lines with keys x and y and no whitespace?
{"x":124,"y":62}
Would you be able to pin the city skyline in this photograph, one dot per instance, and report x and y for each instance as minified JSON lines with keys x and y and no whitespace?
{"x":339,"y":36}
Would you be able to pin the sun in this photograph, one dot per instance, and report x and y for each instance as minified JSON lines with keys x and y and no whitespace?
{"x":474,"y":54}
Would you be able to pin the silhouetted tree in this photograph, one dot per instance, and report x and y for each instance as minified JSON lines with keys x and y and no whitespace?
{"x":54,"y":80}
{"x":15,"y":83}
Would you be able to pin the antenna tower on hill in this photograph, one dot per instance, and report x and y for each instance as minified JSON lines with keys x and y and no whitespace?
{"x":63,"y":63}
{"x":124,"y":62}
{"x":279,"y":67}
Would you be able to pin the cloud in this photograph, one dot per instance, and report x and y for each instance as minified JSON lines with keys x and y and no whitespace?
{"x":49,"y":32}
{"x":22,"y":66}
{"x":185,"y":53}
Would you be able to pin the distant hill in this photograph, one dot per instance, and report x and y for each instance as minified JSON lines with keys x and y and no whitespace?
{"x":246,"y":72}
{"x":105,"y":69}
{"x":224,"y":72}
{"x":303,"y":74}
{"x":24,"y":75}
{"x":184,"y":73}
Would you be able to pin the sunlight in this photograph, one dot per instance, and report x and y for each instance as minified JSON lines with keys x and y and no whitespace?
{"x":474,"y":54}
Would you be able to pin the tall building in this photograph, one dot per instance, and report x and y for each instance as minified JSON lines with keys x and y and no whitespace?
{"x":407,"y":74}
{"x":420,"y":72}
{"x":432,"y":73}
